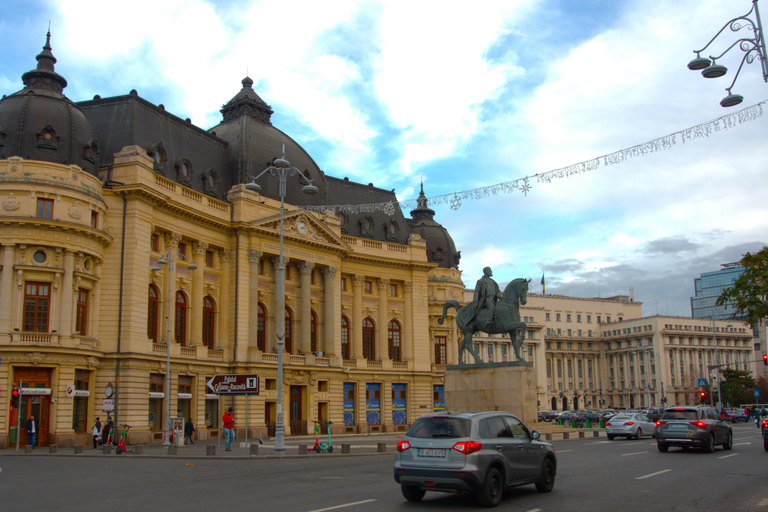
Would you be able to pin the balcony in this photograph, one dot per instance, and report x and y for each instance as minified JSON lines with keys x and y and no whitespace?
{"x":35,"y":338}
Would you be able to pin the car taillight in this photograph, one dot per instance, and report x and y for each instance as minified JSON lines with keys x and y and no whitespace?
{"x":403,"y":445}
{"x":659,"y":422}
{"x":607,"y":423}
{"x":699,"y":424}
{"x":467,"y":447}
{"x":765,"y":423}
{"x":629,"y":423}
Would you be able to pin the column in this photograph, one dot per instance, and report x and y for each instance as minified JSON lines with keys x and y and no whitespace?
{"x":196,"y":308}
{"x":329,"y":313}
{"x":305,"y":270}
{"x":6,"y":287}
{"x":254,"y":257}
{"x":451,"y":351}
{"x":357,"y":317}
{"x":382,"y":343}
{"x":277,"y":316}
{"x":172,"y":243}
{"x":67,"y":295}
{"x":95,"y":313}
{"x":223,"y":337}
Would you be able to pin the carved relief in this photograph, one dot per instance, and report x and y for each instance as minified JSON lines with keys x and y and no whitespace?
{"x":305,"y":267}
{"x":254,"y":255}
{"x":93,"y":362}
{"x":329,"y":272}
{"x":74,"y":212}
{"x":35,"y":357}
{"x":11,"y":204}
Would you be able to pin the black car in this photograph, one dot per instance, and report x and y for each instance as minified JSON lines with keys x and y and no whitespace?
{"x":735,"y":416}
{"x":547,"y":415}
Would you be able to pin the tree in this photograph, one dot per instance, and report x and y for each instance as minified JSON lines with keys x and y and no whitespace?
{"x":749,"y":294}
{"x":737,"y":386}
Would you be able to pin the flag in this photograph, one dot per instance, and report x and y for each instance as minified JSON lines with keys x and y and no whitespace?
{"x":542,"y":283}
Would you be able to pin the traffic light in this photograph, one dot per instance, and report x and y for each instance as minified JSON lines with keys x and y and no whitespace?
{"x":765,"y":359}
{"x":703,"y":395}
{"x":15,"y":398}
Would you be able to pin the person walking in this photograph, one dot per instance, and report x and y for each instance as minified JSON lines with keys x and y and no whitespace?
{"x":107,"y":432}
{"x":96,"y":432}
{"x":31,"y":431}
{"x":229,"y":425}
{"x":189,"y":429}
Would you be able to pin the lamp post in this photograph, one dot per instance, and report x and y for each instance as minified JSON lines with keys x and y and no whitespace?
{"x":752,"y":47}
{"x":167,"y":259}
{"x":281,"y":168}
{"x":717,"y":363}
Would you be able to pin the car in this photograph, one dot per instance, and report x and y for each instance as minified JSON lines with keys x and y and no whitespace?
{"x":485,"y":452}
{"x":693,"y":426}
{"x":632,"y":425}
{"x":547,"y":415}
{"x":735,"y":416}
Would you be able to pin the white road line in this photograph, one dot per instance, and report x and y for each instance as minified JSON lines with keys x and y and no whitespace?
{"x":342,"y":506}
{"x":564,"y":451}
{"x":534,"y":510}
{"x":633,"y":453}
{"x":741,"y":444}
{"x":653,"y":474}
{"x":726,"y":456}
{"x":763,"y":502}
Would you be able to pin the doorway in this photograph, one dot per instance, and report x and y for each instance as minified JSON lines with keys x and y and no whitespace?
{"x":296,"y":402}
{"x":322,"y":416}
{"x":35,"y":400}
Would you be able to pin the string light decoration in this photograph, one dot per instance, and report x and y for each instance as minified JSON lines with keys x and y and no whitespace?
{"x":455,"y":199}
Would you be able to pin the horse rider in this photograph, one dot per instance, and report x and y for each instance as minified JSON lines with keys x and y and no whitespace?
{"x":486,"y":294}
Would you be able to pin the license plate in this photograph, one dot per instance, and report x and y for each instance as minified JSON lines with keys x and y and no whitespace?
{"x":677,"y":426}
{"x":431,"y":452}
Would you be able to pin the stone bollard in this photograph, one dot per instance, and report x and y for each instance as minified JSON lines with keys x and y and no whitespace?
{"x":595,"y":433}
{"x":381,"y":447}
{"x":78,"y":450}
{"x":138,"y":450}
{"x":548,"y":436}
{"x":566,"y":435}
{"x":52,"y":448}
{"x":254,"y":449}
{"x":303,"y":449}
{"x":106,"y":449}
{"x":173,"y":450}
{"x":28,"y":448}
{"x":210,"y":450}
{"x":345,"y":448}
{"x":582,"y":434}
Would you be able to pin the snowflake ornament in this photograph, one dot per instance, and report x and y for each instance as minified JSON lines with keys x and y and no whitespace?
{"x":389,"y":209}
{"x":455,"y":202}
{"x":525,"y":187}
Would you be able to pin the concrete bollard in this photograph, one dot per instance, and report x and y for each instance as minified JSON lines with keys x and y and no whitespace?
{"x":381,"y":447}
{"x":345,"y":448}
{"x":548,"y":436}
{"x":106,"y":449}
{"x":138,"y":450}
{"x":210,"y":450}
{"x":52,"y":448}
{"x":173,"y":450}
{"x":254,"y":449}
{"x":566,"y":435}
{"x":303,"y":449}
{"x":28,"y":448}
{"x":78,"y":450}
{"x":582,"y":434}
{"x":595,"y":433}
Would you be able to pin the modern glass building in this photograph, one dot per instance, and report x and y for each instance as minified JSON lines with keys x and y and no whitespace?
{"x":708,"y":288}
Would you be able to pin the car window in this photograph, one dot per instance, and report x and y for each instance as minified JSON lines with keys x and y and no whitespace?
{"x":643,"y":417}
{"x":621,"y":417}
{"x":684,"y":414}
{"x":711,"y":415}
{"x":436,"y":427}
{"x":494,"y":427}
{"x":516,"y":427}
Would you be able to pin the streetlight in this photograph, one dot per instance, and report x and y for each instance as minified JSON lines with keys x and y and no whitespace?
{"x":167,"y":259}
{"x":717,"y":362}
{"x":752,"y":47}
{"x":281,"y":168}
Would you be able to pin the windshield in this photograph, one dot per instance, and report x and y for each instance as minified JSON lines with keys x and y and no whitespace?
{"x":680,"y":415}
{"x":440,"y":427}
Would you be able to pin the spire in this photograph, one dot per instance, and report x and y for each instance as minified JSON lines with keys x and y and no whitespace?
{"x":44,"y":77}
{"x":422,"y":211}
{"x":247,"y":102}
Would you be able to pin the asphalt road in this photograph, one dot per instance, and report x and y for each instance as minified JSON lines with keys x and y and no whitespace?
{"x":593,"y":475}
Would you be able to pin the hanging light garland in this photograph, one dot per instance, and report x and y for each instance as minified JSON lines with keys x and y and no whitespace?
{"x":524,"y":185}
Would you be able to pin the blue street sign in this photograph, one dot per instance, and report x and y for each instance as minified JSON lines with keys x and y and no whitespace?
{"x":757,"y":393}
{"x":703,"y":382}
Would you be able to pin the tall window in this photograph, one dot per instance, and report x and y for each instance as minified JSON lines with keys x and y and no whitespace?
{"x":261,"y":336}
{"x":369,"y":340}
{"x":44,"y":208}
{"x":440,"y":354}
{"x":154,"y":242}
{"x":393,"y":340}
{"x":37,"y":297}
{"x":209,"y":258}
{"x":182,"y":248}
{"x":82,"y":311}
{"x":154,"y":307}
{"x":313,"y":332}
{"x":288,"y":330}
{"x":94,"y":219}
{"x":367,"y":287}
{"x":181,"y":318}
{"x":208,"y":322}
{"x":344,"y":338}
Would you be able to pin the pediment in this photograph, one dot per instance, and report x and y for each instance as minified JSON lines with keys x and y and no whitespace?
{"x":300,"y":226}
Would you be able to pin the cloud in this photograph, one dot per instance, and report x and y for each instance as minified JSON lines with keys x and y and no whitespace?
{"x":671,"y":245}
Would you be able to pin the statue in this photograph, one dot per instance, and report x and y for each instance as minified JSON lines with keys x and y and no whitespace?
{"x":489,"y":314}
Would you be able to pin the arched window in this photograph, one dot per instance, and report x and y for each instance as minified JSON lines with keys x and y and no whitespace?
{"x":181,"y":319}
{"x":261,"y":336}
{"x":344,"y":337}
{"x":288,"y":331}
{"x":208,"y":322}
{"x":393,"y":340}
{"x":154,"y":307}
{"x":369,"y":340}
{"x":313,"y":332}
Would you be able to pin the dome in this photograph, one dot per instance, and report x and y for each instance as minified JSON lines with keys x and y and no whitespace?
{"x":440,"y":246}
{"x":40,"y":123}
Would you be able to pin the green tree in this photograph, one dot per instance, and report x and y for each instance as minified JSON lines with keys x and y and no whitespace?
{"x":737,"y":386}
{"x":749,"y":294}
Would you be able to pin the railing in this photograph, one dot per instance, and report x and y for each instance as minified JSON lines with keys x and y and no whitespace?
{"x":36,"y":338}
{"x":158,"y":348}
{"x":374,"y":365}
{"x":299,"y":359}
{"x":216,"y":354}
{"x":191,"y":194}
{"x":322,"y":361}
{"x":165,"y":183}
{"x":372,"y":244}
{"x":188,"y":352}
{"x":350,"y":363}
{"x":267,"y":357}
{"x":87,"y":341}
{"x":218,"y":205}
{"x":399,"y":365}
{"x":397,"y":248}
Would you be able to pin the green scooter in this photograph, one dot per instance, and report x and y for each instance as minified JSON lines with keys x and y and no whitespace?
{"x":321,"y":447}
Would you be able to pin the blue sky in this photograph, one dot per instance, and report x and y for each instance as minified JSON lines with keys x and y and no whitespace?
{"x":465,"y":95}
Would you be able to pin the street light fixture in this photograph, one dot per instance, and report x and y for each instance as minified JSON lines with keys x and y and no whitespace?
{"x":752,"y":47}
{"x":167,"y":259}
{"x":281,"y":168}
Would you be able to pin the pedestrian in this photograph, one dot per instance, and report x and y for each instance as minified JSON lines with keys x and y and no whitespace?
{"x":107,"y":432}
{"x":189,"y":429}
{"x":229,"y":429}
{"x":31,"y":431}
{"x":96,"y":432}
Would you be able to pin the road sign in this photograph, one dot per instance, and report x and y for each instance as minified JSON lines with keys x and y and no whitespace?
{"x":757,"y":392}
{"x":236,"y":384}
{"x":703,"y":383}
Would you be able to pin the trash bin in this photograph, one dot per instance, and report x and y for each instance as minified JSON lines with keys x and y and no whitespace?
{"x":14,"y":429}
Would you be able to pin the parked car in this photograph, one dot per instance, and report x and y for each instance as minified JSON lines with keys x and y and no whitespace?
{"x":547,"y":415}
{"x":629,"y":425}
{"x":472,"y":451}
{"x":693,"y":426}
{"x":735,"y":416}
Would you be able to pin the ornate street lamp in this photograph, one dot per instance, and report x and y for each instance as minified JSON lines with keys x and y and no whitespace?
{"x":167,"y":259}
{"x":752,"y":47}
{"x":282,"y":169}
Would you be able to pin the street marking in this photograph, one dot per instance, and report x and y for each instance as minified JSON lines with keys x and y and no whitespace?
{"x":564,"y":451}
{"x":653,"y":474}
{"x":763,"y":502}
{"x":634,"y":453}
{"x":741,"y":444}
{"x":342,"y":506}
{"x":726,"y":456}
{"x":534,"y":510}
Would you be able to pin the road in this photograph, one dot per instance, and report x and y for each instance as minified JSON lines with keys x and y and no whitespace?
{"x":593,"y":475}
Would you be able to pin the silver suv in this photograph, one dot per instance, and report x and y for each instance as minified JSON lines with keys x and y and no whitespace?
{"x":692,"y":426}
{"x":472,"y":451}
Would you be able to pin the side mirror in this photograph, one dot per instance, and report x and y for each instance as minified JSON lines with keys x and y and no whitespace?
{"x":535,"y":434}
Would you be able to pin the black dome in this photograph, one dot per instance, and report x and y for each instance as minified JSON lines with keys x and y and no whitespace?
{"x":440,"y":246}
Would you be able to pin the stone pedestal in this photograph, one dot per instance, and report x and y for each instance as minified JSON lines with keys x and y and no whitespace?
{"x":500,"y":387}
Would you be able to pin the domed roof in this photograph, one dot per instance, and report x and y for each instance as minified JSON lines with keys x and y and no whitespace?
{"x":440,"y":246}
{"x":40,"y":123}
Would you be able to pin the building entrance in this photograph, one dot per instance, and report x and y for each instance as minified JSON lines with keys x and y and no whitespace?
{"x":35,"y":400}
{"x":298,"y":422}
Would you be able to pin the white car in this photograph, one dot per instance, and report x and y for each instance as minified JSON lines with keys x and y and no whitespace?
{"x":630,"y":425}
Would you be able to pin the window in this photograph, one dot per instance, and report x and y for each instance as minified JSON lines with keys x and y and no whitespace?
{"x":312,"y":331}
{"x":570,"y":369}
{"x":393,"y":340}
{"x":182,"y":248}
{"x":589,"y":319}
{"x":344,"y":338}
{"x":568,"y":317}
{"x":547,"y":317}
{"x":261,"y":267}
{"x":154,"y":305}
{"x":44,"y":208}
{"x":557,"y":317}
{"x":368,"y":287}
{"x":598,"y":319}
{"x":82,"y":312}
{"x":343,"y":284}
{"x":40,"y":256}
{"x":154,"y":242}
{"x":578,"y":318}
{"x":36,"y":305}
{"x":185,"y":384}
{"x":288,"y":272}
{"x":369,"y":340}
{"x":393,"y":290}
{"x":94,"y":219}
{"x":288,"y":336}
{"x":181,"y":318}
{"x":208,"y":322}
{"x":559,"y":369}
{"x":440,"y":346}
{"x":209,"y":259}
{"x":261,"y":336}
{"x":549,"y":368}
{"x":80,"y":403}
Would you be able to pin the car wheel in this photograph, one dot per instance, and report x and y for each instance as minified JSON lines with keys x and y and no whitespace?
{"x":610,"y":437}
{"x":547,"y":481}
{"x":663,"y":447}
{"x":639,"y":433}
{"x":493,"y":489}
{"x":728,"y":441}
{"x":765,"y":445}
{"x":412,"y":493}
{"x":709,"y":445}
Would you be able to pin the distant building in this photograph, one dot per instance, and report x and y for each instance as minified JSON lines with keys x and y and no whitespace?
{"x":708,"y":288}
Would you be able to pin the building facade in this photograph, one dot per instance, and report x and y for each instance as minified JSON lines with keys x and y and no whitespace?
{"x":708,"y":288}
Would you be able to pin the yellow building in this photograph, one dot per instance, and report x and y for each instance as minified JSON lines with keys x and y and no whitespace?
{"x":124,"y":227}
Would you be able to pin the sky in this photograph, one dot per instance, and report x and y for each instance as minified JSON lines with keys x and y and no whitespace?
{"x":460,"y":96}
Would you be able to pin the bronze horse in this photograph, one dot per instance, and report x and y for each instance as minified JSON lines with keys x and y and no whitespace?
{"x":506,"y":318}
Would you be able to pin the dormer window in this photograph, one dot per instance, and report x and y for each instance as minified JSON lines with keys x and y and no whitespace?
{"x":183,"y":170}
{"x":391,"y":231}
{"x":366,"y":227}
{"x":47,"y":138}
{"x":210,"y":179}
{"x":159,"y":157}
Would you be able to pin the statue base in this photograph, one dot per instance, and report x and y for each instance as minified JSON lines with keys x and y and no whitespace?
{"x":507,"y":387}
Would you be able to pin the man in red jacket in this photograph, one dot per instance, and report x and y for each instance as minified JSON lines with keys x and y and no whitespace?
{"x":229,"y":428}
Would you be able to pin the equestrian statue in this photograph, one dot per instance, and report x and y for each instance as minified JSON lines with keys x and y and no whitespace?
{"x":491,"y":312}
